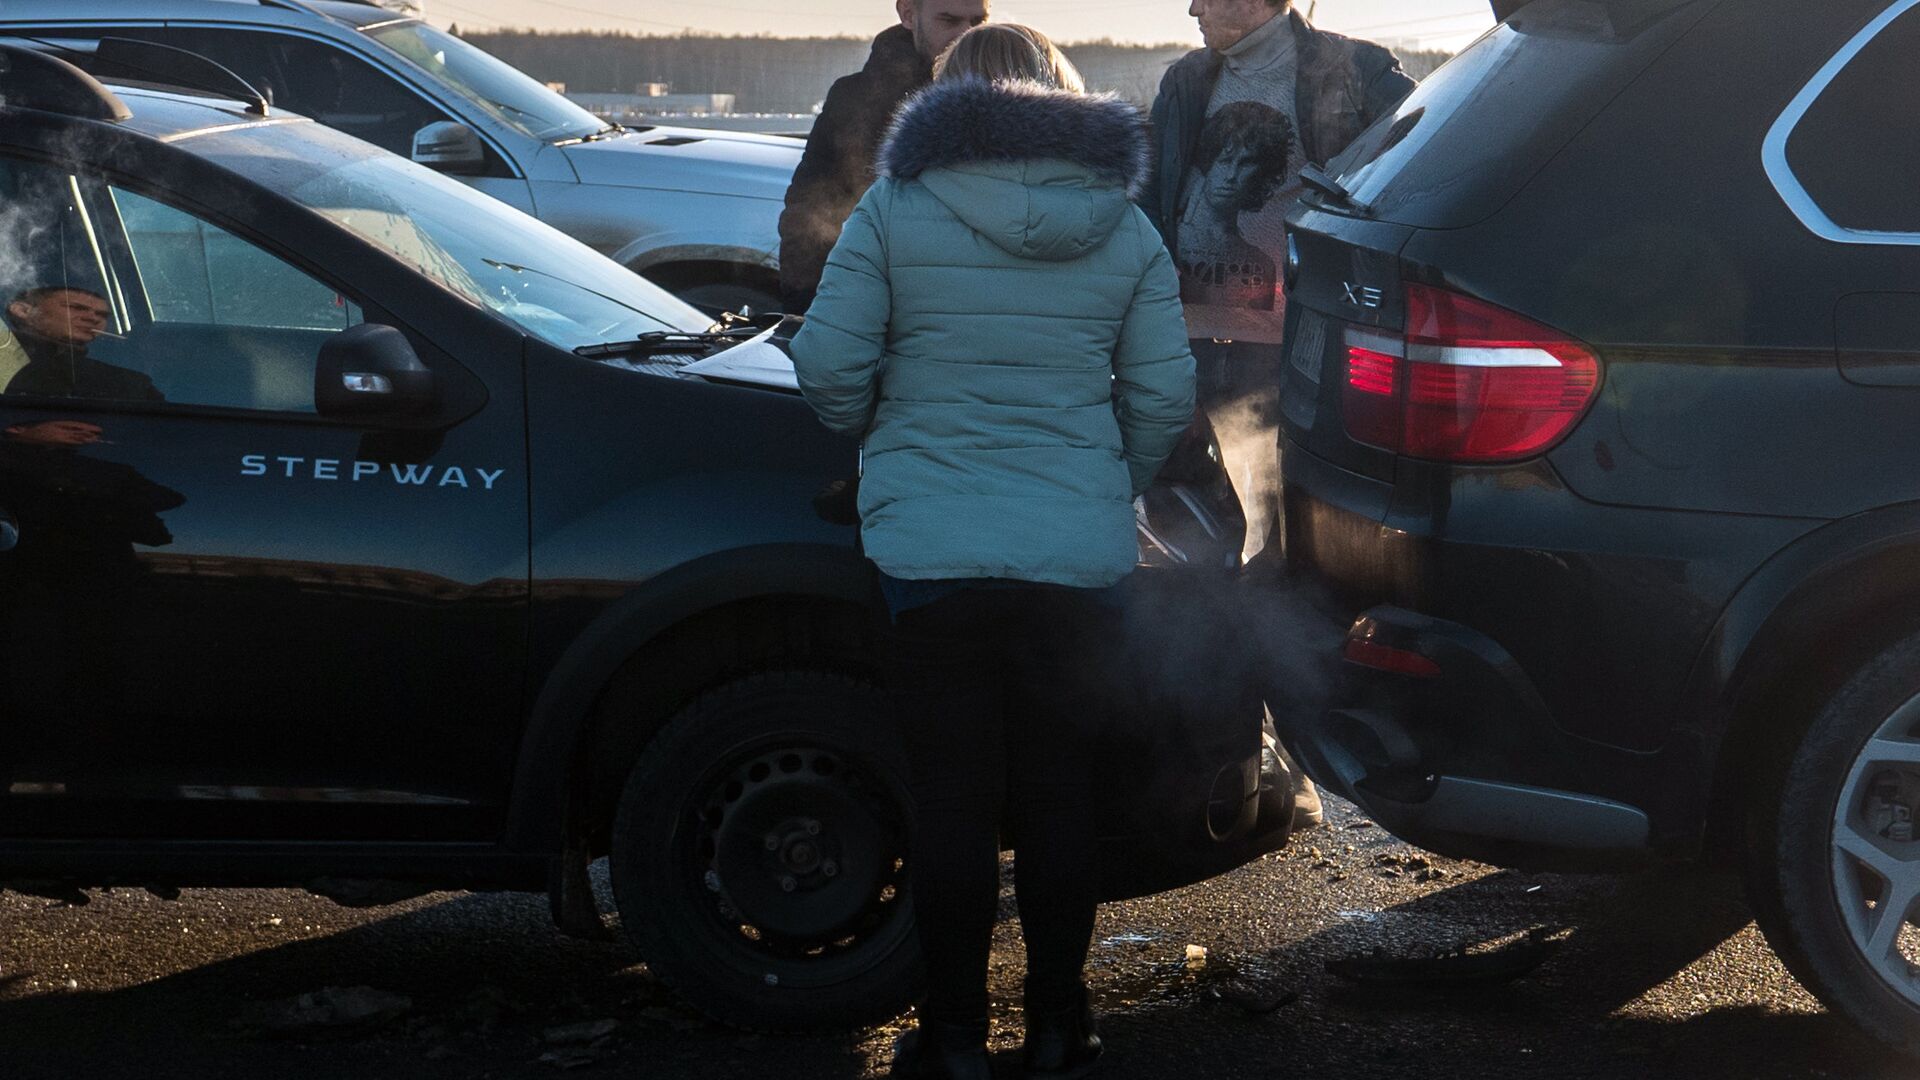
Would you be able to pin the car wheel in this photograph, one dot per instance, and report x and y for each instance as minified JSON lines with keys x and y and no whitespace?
{"x":1834,"y":871}
{"x":758,"y":856}
{"x":716,"y":297}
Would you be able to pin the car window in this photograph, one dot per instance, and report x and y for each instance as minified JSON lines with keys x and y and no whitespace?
{"x":193,"y":272}
{"x":1857,"y":149}
{"x":312,"y":78}
{"x":545,"y":282}
{"x":505,"y":92}
{"x":111,"y":294}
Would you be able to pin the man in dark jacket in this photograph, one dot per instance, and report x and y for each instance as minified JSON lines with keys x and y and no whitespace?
{"x":52,"y":329}
{"x":837,"y":167}
{"x":1340,"y":87}
{"x":1233,"y":126}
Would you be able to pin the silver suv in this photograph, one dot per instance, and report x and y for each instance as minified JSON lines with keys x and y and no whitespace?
{"x":694,"y":211}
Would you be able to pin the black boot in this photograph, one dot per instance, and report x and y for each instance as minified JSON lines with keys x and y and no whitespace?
{"x":1062,"y":1044}
{"x":942,"y":1050}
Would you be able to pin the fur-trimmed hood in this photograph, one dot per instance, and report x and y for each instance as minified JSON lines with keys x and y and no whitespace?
{"x":1045,"y":174}
{"x":972,"y":120}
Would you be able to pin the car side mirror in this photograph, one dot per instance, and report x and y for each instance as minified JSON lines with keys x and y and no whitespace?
{"x":450,"y":148}
{"x":371,"y":370}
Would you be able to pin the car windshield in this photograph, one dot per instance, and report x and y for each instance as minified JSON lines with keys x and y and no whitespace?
{"x":546,"y":282}
{"x":503,"y":91}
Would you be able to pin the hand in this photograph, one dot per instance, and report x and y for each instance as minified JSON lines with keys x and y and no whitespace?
{"x":56,"y":433}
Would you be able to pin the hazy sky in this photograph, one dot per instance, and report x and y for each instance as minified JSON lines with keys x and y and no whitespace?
{"x":1426,"y":23}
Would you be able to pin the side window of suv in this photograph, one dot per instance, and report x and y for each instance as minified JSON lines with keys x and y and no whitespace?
{"x":313,"y":78}
{"x":112,"y":295}
{"x":1857,"y":149}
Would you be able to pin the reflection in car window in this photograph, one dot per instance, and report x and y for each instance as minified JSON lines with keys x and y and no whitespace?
{"x":503,"y":91}
{"x":1369,"y":167}
{"x":193,"y":272}
{"x":55,"y":289}
{"x":546,"y":282}
{"x":111,"y":295}
{"x":308,"y":77}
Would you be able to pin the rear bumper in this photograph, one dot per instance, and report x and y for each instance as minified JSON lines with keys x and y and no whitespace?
{"x":1466,"y":762}
{"x":1566,"y":634}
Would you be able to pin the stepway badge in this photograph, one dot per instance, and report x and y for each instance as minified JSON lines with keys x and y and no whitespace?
{"x":373,"y":472}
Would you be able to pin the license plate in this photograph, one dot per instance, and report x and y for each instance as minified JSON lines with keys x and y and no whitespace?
{"x":1308,"y":348}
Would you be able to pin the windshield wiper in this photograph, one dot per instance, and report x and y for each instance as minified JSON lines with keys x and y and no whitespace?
{"x":1315,"y":178}
{"x":662,"y":343}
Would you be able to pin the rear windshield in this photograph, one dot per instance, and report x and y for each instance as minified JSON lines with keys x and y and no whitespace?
{"x":1476,"y":130}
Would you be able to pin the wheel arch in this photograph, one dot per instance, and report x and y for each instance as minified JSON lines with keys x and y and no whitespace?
{"x":682,"y":272}
{"x":1791,"y":637}
{"x":659,"y":645}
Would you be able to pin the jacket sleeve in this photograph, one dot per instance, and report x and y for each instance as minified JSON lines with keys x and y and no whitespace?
{"x":829,"y":178}
{"x":836,"y":355}
{"x":1153,"y":192}
{"x":1153,"y":391}
{"x":1386,"y":90}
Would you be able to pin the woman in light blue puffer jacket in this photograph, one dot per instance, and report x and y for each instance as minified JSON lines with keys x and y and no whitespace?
{"x":1002,"y":327}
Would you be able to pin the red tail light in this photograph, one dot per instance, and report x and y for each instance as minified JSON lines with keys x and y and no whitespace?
{"x":1468,"y":382}
{"x":1372,"y":654}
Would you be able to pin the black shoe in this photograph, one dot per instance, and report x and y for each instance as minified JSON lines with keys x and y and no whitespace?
{"x":1063,"y":1044}
{"x":940,"y":1050}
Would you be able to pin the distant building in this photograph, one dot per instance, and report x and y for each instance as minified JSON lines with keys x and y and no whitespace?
{"x":652,"y":99}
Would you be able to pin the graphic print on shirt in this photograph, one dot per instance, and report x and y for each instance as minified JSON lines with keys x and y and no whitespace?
{"x":1243,"y":158}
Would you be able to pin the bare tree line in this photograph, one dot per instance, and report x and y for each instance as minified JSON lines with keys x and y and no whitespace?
{"x":784,"y":75}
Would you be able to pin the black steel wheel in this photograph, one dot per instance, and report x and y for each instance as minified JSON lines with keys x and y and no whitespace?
{"x":759,"y":855}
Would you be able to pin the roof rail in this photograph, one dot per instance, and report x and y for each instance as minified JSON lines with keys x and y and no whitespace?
{"x":298,"y":5}
{"x":178,"y":67}
{"x":31,"y":79}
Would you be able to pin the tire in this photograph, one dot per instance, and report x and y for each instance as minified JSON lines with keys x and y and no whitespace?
{"x":715,"y":297}
{"x":1841,"y":789}
{"x":758,"y":856}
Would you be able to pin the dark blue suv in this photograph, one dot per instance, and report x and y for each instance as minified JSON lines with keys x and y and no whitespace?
{"x":1600,"y":418}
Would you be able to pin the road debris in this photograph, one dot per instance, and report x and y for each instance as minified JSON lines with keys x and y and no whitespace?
{"x":348,"y":1008}
{"x":573,"y":1057}
{"x":1252,"y":998}
{"x":584,"y":1032}
{"x":1196,"y":956}
{"x":672,"y":1018}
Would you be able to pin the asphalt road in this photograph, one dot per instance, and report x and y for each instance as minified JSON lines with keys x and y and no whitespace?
{"x":1656,"y":975}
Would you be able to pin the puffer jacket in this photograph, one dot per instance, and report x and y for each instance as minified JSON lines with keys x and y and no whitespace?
{"x":1003,"y":328}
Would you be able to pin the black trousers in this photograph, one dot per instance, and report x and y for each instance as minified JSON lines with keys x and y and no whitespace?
{"x":999,"y":724}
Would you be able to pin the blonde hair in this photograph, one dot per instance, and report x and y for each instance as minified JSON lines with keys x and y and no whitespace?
{"x":1001,"y":52}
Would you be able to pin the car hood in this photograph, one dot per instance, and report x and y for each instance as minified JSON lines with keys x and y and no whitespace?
{"x":689,"y":159}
